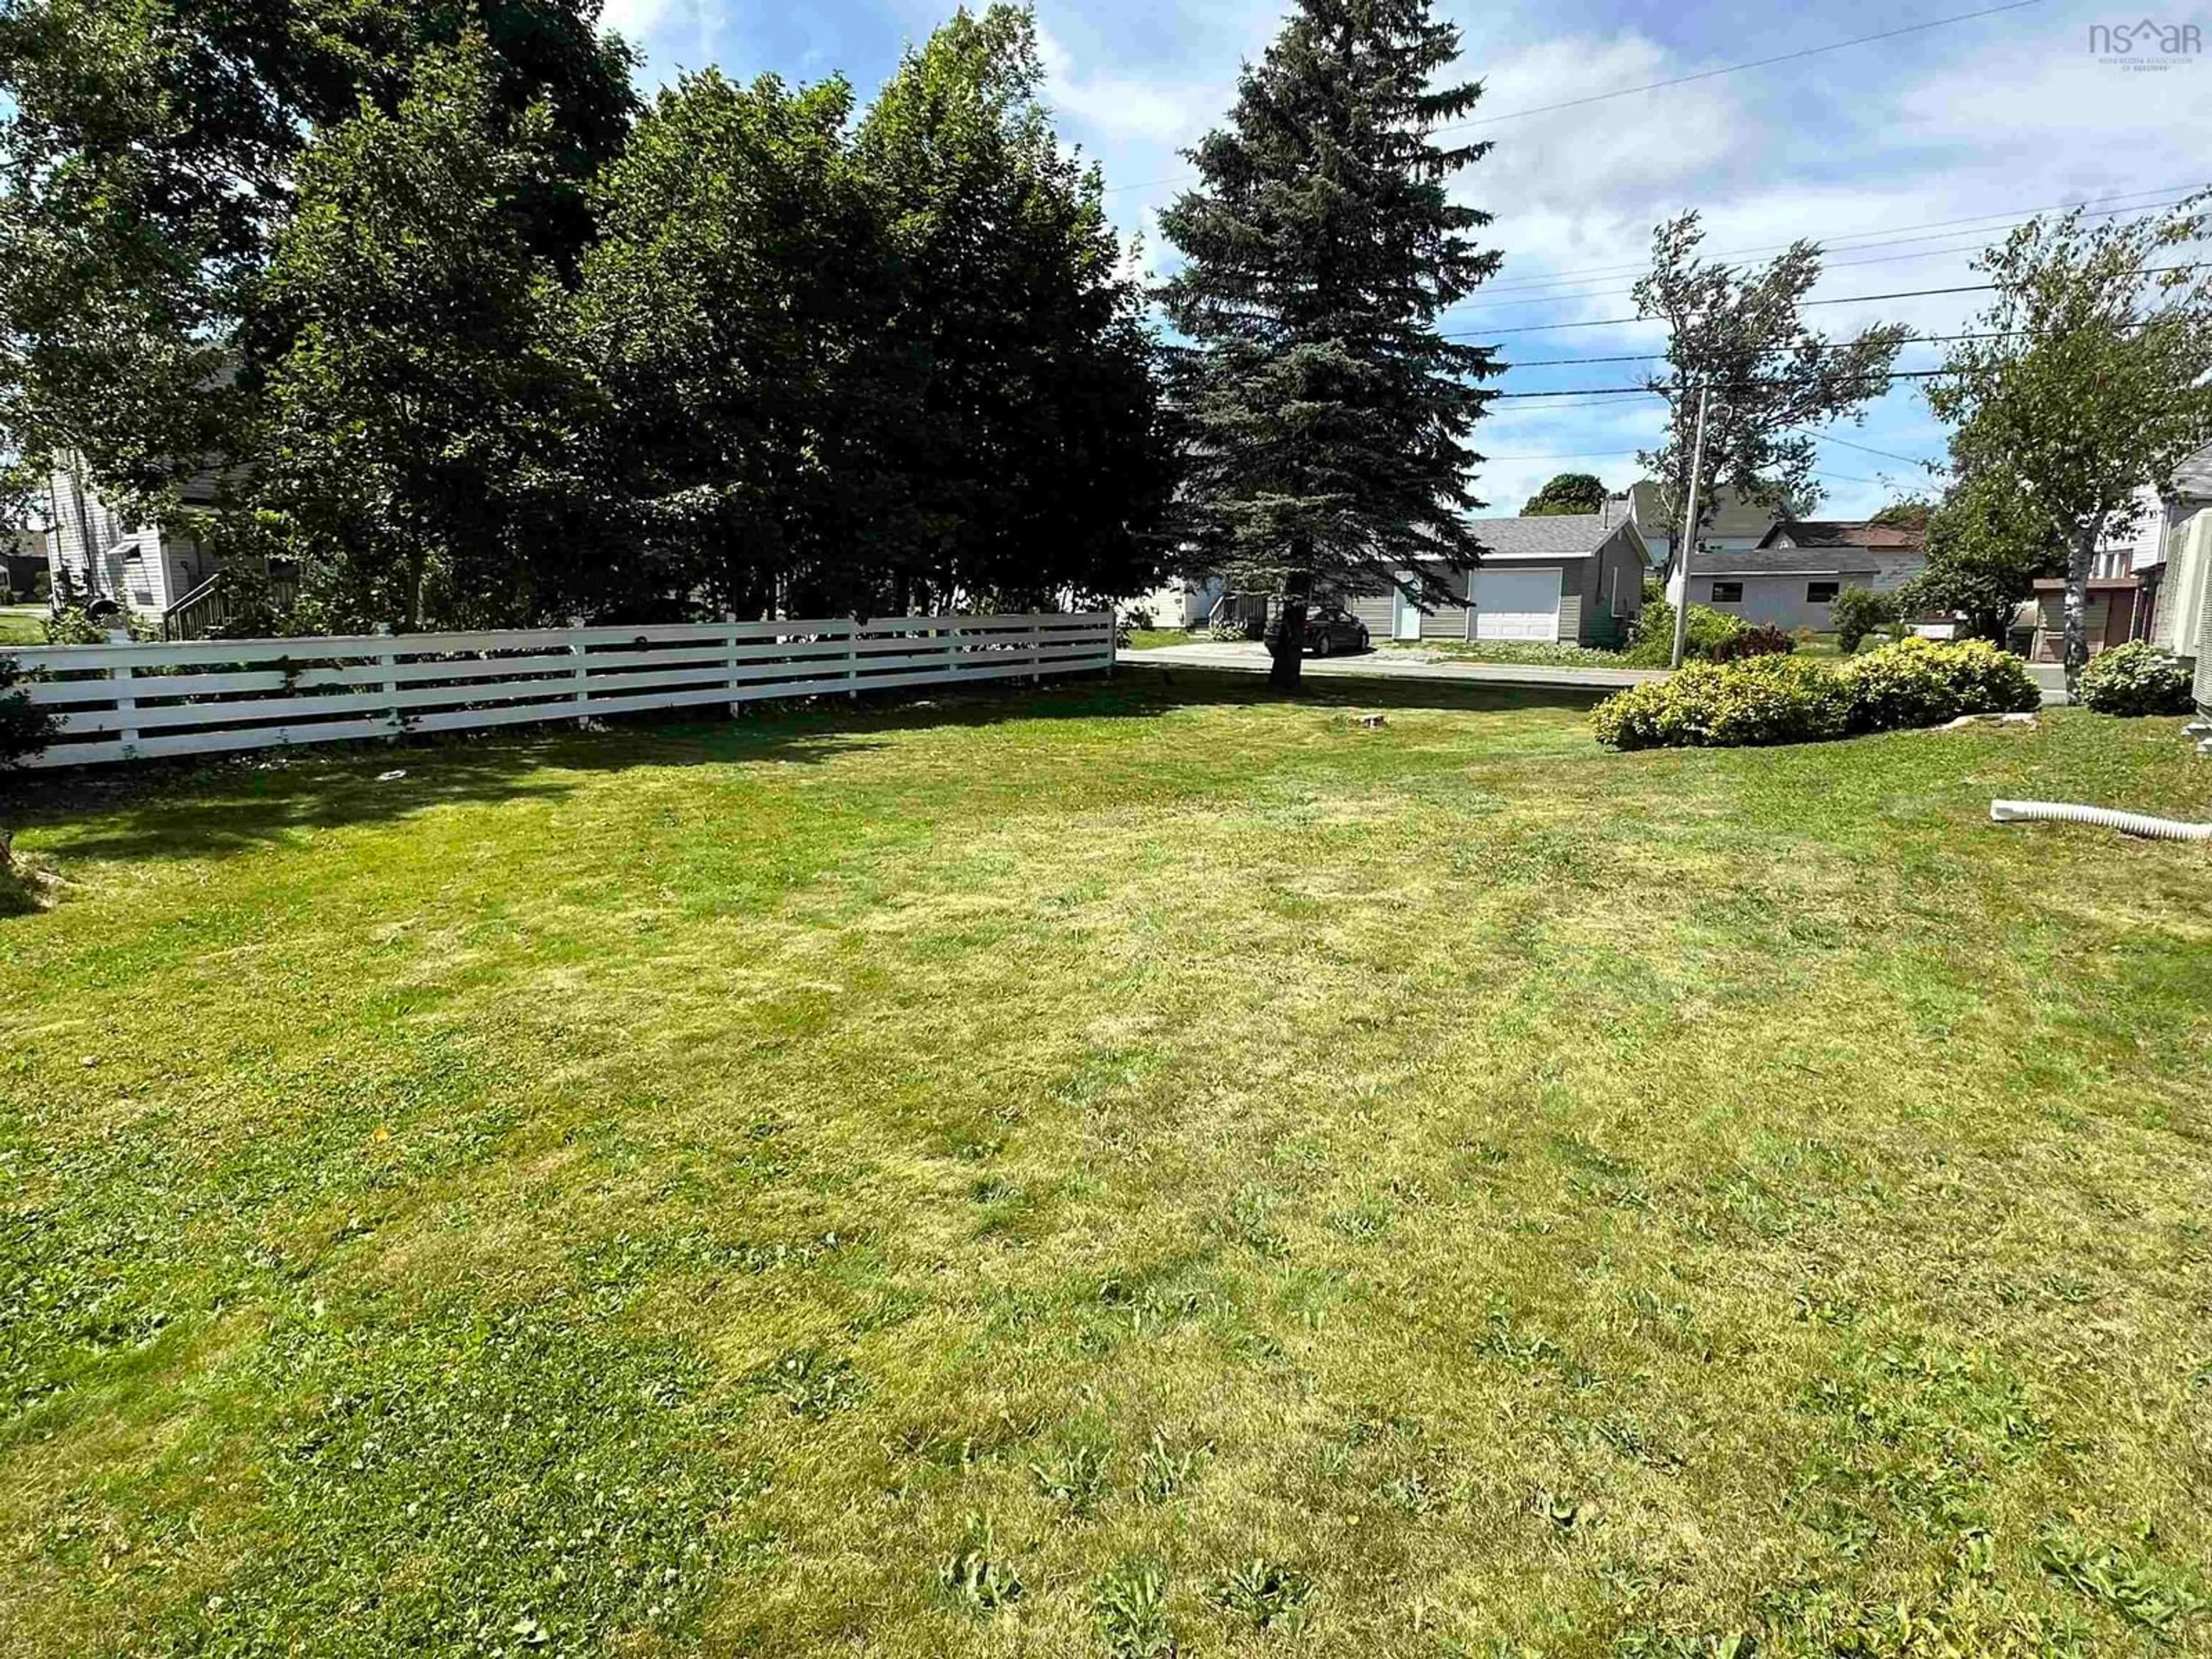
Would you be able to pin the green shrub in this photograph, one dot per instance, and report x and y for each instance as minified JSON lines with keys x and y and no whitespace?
{"x":1919,"y":683}
{"x":1764,"y":641}
{"x":71,"y":625}
{"x":1782,"y":699}
{"x":1651,"y":645}
{"x":1857,"y":612}
{"x":25,"y":727}
{"x":2137,"y":678}
{"x":1762,"y":700}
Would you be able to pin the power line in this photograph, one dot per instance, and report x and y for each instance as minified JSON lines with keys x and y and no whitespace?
{"x":1838,"y":299}
{"x":1737,"y":68}
{"x":1891,"y":237}
{"x":1569,"y":455}
{"x":1614,"y":454}
{"x":1622,"y":322}
{"x":1675,"y":81}
{"x":1866,"y":449}
{"x":1977,"y":246}
{"x":1660,"y":392}
{"x":1661,"y":357}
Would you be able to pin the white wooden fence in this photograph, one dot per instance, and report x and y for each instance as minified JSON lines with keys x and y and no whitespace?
{"x":134,"y":702}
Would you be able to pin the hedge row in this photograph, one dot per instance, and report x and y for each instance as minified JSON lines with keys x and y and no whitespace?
{"x":1775,"y":699}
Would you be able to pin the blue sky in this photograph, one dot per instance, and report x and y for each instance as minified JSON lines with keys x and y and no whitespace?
{"x":1904,"y":156}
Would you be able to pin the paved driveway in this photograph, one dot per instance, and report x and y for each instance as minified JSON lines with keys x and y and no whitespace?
{"x":1249,"y":656}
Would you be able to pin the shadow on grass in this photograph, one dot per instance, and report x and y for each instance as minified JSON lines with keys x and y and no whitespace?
{"x":211,"y":807}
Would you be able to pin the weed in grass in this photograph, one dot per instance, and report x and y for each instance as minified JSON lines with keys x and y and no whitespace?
{"x":1162,"y":1472}
{"x":1636,"y":1443}
{"x":1411,"y":1493}
{"x":1563,"y":1511}
{"x":1252,"y":1216}
{"x":976,"y":1575}
{"x":1075,"y":1478}
{"x":1368,"y":1219}
{"x":1267,"y":1595}
{"x":814,"y":1384}
{"x":2132,"y":1583}
{"x":1918,"y":1430}
{"x":414,"y":1481}
{"x":1128,"y":1608}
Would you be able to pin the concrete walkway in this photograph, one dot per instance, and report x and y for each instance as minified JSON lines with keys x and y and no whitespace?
{"x":1249,"y":657}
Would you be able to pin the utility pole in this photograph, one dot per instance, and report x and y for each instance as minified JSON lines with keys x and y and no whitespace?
{"x":1689,"y":537}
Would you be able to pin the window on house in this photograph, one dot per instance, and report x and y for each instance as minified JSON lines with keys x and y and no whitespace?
{"x":1821,"y":592}
{"x":1727,"y":592}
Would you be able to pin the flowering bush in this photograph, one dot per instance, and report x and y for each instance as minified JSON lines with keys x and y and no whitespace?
{"x":1762,"y":700}
{"x":1782,"y":699}
{"x":2137,"y":678}
{"x":1917,"y":681}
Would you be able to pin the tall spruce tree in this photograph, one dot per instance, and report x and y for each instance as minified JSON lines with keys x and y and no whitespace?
{"x":1328,"y":419}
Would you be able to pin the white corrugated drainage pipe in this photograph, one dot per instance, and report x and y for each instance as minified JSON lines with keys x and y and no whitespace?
{"x":2128,"y":823}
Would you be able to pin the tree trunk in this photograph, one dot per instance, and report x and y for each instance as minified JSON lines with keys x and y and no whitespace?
{"x":2081,"y":559}
{"x":1288,"y":649}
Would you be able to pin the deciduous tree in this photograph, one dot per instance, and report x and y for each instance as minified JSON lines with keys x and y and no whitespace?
{"x":1742,"y":335}
{"x":1987,"y":544}
{"x":2088,"y":379}
{"x":1329,"y":420}
{"x":420,"y":440}
{"x":148,"y":155}
{"x":737,"y":311}
{"x":1037,"y":459}
{"x":1566,"y":493}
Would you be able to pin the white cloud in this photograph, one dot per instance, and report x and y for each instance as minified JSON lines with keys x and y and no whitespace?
{"x":633,"y":20}
{"x":1119,"y":107}
{"x":1618,"y":156}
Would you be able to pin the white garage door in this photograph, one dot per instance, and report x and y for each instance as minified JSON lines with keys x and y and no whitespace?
{"x":1517,"y":605}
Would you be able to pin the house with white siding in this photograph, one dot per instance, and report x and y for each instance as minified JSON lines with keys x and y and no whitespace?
{"x":97,"y":554}
{"x":2172,"y":559}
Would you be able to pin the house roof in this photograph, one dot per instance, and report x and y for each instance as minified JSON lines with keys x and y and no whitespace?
{"x":1553,"y":536}
{"x":1786,"y":562}
{"x":1854,"y":533}
{"x":1736,"y":514}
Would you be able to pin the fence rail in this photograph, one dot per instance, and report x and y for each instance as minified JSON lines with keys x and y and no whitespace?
{"x":134,"y":702}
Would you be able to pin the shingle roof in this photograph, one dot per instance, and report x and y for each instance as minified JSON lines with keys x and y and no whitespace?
{"x":1846,"y":532}
{"x":1560,"y":535}
{"x":1786,"y":562}
{"x":1737,"y":514}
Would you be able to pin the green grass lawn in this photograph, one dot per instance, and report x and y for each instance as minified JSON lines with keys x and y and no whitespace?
{"x":22,"y":624}
{"x":1151,"y":639}
{"x":1125,"y":1162}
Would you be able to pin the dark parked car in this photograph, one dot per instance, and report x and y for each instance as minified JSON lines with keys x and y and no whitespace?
{"x":1331,"y":629}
